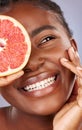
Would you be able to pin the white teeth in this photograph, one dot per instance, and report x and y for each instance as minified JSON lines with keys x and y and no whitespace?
{"x":40,"y":85}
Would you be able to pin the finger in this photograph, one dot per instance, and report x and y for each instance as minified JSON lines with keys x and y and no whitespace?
{"x":73,"y":63}
{"x":64,"y":110}
{"x":71,"y":66}
{"x":4,"y":81}
{"x":79,"y":96}
{"x":74,"y":56}
{"x":73,"y":114}
{"x":15,"y":76}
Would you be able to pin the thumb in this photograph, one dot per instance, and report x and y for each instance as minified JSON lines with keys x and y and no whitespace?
{"x":4,"y":81}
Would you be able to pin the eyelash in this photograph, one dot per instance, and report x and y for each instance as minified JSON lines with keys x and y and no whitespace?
{"x":46,"y":40}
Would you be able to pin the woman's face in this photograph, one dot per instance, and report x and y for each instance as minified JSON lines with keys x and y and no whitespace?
{"x":46,"y":84}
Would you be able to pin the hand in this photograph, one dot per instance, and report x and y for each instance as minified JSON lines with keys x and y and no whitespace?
{"x":4,"y":81}
{"x":70,"y":116}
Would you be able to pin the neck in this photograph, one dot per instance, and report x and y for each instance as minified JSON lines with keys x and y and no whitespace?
{"x":30,"y":121}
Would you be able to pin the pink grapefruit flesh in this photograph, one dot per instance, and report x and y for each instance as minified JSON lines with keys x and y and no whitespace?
{"x":15,"y":46}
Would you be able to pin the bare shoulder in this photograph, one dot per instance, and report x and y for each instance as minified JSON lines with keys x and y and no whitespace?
{"x":80,"y":128}
{"x":3,"y":117}
{"x":3,"y":112}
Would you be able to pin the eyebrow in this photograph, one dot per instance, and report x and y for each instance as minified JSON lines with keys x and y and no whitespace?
{"x":42,"y":28}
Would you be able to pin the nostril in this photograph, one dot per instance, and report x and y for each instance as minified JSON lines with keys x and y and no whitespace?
{"x":30,"y":68}
{"x":34,"y":65}
{"x":27,"y":70}
{"x":41,"y":60}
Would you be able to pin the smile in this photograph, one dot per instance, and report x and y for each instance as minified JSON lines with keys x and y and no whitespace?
{"x":40,"y":85}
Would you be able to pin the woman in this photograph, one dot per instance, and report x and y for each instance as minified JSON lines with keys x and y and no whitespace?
{"x":46,"y":94}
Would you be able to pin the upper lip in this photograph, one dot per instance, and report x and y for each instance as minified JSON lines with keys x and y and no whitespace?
{"x":37,"y":78}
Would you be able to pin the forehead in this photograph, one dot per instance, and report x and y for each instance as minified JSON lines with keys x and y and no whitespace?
{"x":25,"y":5}
{"x":24,"y":10}
{"x":33,"y":17}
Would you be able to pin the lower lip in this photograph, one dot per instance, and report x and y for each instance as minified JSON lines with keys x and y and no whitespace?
{"x":44,"y":91}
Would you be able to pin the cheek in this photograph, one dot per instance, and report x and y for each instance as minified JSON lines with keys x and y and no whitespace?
{"x":56,"y":52}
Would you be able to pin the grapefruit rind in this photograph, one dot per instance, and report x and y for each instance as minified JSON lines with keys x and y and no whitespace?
{"x":27,"y":40}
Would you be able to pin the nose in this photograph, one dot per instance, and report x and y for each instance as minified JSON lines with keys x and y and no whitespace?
{"x":36,"y":61}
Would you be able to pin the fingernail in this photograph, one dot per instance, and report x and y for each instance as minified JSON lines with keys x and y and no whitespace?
{"x":19,"y":74}
{"x":72,"y":49}
{"x":64,"y":59}
{"x":77,"y":53}
{"x":78,"y":68}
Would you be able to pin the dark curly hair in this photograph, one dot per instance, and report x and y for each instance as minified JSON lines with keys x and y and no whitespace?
{"x":46,"y":5}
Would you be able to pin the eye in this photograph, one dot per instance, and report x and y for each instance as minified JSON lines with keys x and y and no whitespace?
{"x":46,"y":40}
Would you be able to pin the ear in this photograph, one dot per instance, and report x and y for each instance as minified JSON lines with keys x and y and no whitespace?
{"x":74,"y":44}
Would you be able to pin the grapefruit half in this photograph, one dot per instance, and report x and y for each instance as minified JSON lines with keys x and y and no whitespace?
{"x":15,"y":46}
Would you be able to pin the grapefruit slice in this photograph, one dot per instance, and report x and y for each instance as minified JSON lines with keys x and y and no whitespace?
{"x":15,"y":46}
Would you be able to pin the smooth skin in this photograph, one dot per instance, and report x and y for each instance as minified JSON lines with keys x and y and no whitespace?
{"x":58,"y":106}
